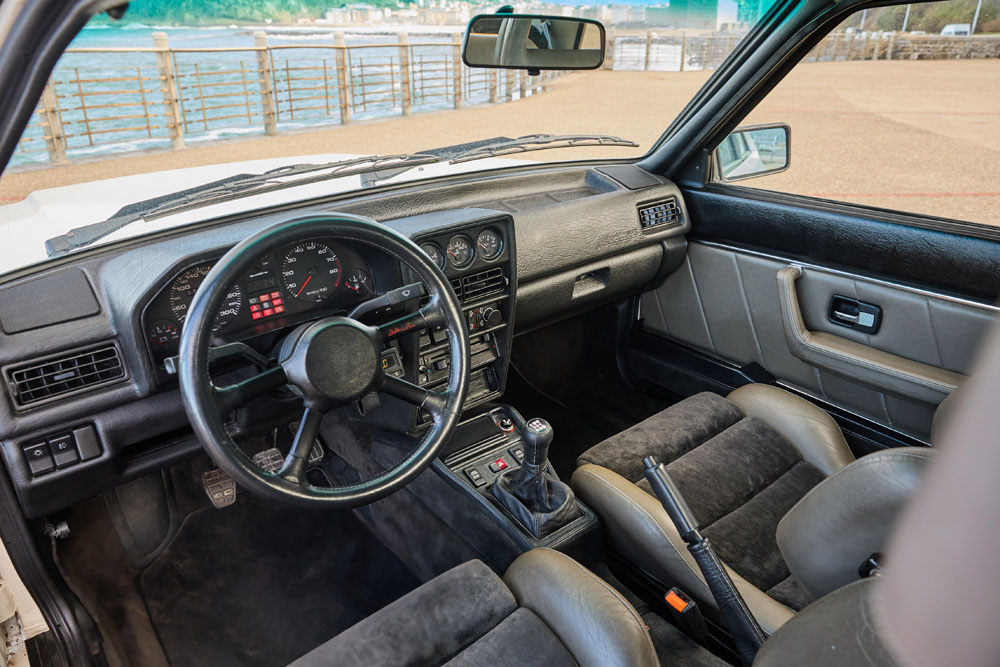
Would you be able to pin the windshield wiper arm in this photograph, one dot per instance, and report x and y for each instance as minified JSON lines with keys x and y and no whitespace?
{"x":228,"y":189}
{"x":540,"y":142}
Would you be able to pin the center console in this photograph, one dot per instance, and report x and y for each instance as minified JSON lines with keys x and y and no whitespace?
{"x":478,"y":259}
{"x":490,"y":446}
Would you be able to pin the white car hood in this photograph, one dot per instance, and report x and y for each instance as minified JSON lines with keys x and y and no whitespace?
{"x":27,"y":224}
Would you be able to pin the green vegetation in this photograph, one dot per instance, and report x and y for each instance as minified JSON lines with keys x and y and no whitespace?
{"x":931,"y":17}
{"x":190,"y":12}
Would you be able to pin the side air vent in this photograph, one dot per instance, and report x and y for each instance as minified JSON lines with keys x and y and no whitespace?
{"x":482,"y":283}
{"x":69,"y":373}
{"x":655,"y":215}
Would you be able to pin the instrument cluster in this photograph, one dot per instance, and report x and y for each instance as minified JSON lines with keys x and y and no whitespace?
{"x":282,"y":286}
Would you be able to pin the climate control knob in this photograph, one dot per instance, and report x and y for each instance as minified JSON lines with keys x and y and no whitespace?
{"x":491,"y":317}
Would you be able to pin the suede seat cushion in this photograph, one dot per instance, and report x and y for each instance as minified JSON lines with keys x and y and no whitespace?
{"x":458,"y":618}
{"x":738,"y":475}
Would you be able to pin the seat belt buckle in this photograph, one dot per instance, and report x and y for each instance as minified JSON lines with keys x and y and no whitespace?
{"x":686,"y":615}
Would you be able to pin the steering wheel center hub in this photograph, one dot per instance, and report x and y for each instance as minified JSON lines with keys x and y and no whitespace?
{"x":333,"y":361}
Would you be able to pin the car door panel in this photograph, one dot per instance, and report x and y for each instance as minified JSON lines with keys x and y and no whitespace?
{"x":725,"y":300}
{"x":943,"y":259}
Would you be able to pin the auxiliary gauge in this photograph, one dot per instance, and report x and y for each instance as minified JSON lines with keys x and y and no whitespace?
{"x":434,"y":252}
{"x":489,"y":244}
{"x":460,"y":251}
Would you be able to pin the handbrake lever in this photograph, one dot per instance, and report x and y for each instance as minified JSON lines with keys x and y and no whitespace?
{"x":747,"y":633}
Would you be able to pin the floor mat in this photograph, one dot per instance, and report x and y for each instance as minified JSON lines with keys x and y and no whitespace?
{"x":261,"y":584}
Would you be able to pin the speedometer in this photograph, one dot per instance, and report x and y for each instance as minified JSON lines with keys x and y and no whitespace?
{"x":182,"y":291}
{"x":311,"y":271}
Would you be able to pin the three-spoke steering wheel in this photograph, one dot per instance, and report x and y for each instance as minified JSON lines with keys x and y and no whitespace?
{"x":330,"y":362}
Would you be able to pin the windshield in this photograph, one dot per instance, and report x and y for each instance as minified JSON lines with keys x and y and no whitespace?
{"x":179,"y":93}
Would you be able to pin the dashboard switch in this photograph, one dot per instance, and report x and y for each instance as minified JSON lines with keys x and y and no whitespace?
{"x":63,"y":450}
{"x":39,"y":459}
{"x":87,"y":443}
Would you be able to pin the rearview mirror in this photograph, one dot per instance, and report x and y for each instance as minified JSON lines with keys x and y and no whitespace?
{"x":752,"y":151}
{"x":533,"y":42}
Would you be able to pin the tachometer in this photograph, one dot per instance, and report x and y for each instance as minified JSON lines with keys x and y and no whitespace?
{"x":183,"y":289}
{"x":311,"y":271}
{"x":460,"y":252}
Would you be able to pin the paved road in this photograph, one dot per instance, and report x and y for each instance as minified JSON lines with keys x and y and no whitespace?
{"x":921,"y":136}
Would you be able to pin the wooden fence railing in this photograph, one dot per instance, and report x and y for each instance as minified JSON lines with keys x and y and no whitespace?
{"x":176,"y":95}
{"x":125,"y":98}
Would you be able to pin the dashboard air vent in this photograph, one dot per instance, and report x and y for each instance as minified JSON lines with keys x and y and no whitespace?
{"x":456,"y":284}
{"x":663,"y":213}
{"x":74,"y":371}
{"x":482,"y":283}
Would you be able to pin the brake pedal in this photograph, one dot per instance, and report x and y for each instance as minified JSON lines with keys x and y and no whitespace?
{"x":270,"y":460}
{"x":219,"y":487}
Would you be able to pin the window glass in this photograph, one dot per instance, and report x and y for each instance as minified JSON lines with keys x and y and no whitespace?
{"x":898,"y":108}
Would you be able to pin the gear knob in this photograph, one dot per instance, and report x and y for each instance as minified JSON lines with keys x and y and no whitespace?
{"x":537,"y":436}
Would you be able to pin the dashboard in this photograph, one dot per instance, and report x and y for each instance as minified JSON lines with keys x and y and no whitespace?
{"x":87,"y":341}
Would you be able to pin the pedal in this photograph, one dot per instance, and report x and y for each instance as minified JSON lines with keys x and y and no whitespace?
{"x":269,"y":460}
{"x":219,"y":487}
{"x":316,"y":453}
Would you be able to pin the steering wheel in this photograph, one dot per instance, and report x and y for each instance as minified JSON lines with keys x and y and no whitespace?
{"x":329,"y":362}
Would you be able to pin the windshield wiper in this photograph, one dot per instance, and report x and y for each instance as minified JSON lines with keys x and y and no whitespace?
{"x":228,"y":189}
{"x":539,"y":142}
{"x":375,"y":167}
{"x":479,"y":150}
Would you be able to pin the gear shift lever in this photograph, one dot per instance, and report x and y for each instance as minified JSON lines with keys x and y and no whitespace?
{"x":539,"y":501}
{"x":528,"y":483}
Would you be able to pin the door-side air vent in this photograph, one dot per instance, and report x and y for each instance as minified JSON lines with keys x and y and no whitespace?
{"x":482,"y":283}
{"x":663,"y":213}
{"x":69,"y":373}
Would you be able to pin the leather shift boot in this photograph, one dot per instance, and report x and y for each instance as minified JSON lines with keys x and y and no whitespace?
{"x":540,"y":503}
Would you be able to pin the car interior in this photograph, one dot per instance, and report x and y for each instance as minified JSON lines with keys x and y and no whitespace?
{"x":466,"y":420}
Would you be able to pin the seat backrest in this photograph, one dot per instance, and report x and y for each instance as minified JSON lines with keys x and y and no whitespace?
{"x":939,"y":600}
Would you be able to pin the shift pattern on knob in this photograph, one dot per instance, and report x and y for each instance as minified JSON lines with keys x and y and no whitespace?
{"x":537,"y":436}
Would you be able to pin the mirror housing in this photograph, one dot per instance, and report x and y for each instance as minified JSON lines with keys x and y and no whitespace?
{"x":533,"y":42}
{"x":752,"y":151}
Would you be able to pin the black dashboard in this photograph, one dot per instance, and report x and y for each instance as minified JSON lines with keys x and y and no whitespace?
{"x":88,"y":378}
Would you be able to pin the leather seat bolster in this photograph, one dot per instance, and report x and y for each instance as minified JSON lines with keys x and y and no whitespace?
{"x":837,"y":631}
{"x":593,"y":621}
{"x":638,"y":528}
{"x":809,"y":429}
{"x":847,"y":517}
